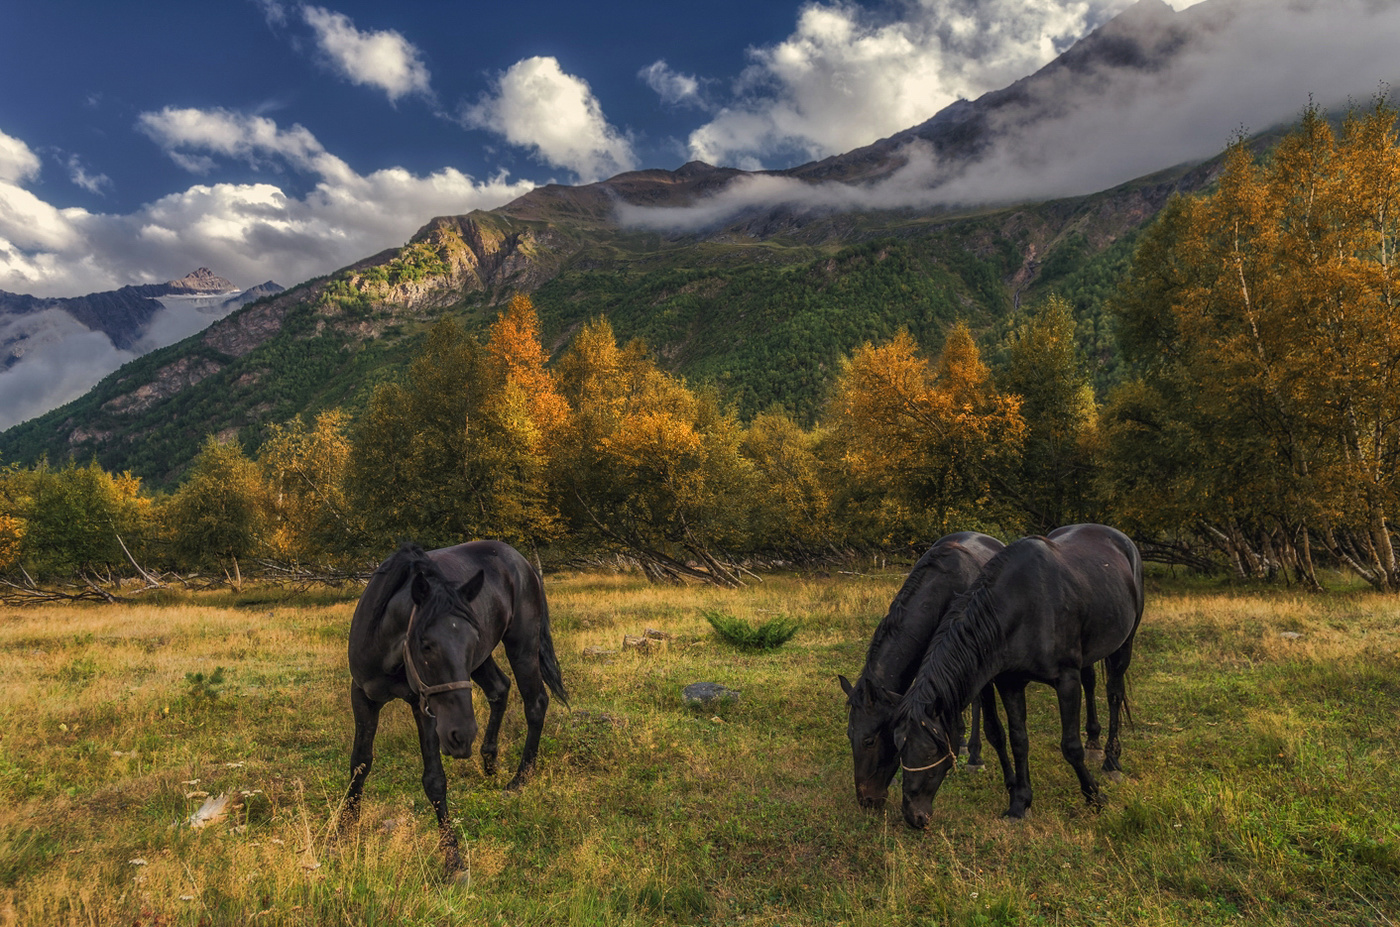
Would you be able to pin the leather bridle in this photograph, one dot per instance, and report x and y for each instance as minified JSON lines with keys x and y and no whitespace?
{"x":415,"y":680}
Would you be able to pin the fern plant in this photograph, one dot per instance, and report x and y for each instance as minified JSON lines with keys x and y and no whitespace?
{"x":770,"y":635}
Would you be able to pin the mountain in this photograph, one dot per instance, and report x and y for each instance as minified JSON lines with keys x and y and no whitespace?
{"x":758,"y":282}
{"x":52,"y":349}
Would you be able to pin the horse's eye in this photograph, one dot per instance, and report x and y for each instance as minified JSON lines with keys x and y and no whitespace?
{"x":429,"y":647}
{"x":870,"y":741}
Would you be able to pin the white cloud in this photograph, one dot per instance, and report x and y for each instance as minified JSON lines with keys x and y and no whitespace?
{"x":848,"y":76}
{"x":246,"y":232}
{"x":536,"y":105}
{"x":189,"y":136}
{"x":92,"y":183}
{"x":382,"y":59}
{"x":673,"y":87}
{"x":17,"y":163}
{"x":1249,"y":64}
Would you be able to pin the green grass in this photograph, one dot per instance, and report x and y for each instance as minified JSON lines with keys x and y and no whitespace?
{"x":1261,"y":782}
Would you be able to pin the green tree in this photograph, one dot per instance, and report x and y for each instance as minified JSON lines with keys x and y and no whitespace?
{"x":1053,"y":484}
{"x":218,"y":514}
{"x":78,"y":518}
{"x":791,"y":506}
{"x":461,"y":449}
{"x":304,"y":469}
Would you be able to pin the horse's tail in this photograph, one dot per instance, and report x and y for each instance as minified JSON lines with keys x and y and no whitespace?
{"x":549,"y":665}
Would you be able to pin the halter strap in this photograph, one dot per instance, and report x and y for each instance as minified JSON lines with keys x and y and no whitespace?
{"x":415,"y":681}
{"x":935,"y":763}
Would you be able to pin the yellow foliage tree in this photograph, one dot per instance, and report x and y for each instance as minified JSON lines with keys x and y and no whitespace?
{"x":1263,"y":318}
{"x":647,"y":466}
{"x":309,"y":518}
{"x":921,"y":445}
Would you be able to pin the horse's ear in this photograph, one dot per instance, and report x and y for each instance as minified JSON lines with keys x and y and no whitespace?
{"x":889,"y":696}
{"x":472,"y":587}
{"x":845,"y":685}
{"x":420,"y":588}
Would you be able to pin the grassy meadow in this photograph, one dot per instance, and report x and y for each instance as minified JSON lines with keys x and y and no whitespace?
{"x":1262,"y":780}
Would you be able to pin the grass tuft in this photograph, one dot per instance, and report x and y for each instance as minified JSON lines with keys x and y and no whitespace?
{"x":770,"y":635}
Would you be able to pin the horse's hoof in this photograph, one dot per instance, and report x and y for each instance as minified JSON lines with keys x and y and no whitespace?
{"x":975,"y":767}
{"x":1093,"y":755}
{"x":1115,"y":776}
{"x":1011,"y":814}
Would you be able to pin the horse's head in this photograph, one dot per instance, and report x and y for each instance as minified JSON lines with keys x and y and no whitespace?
{"x":868,"y":726}
{"x":924,"y":738}
{"x":443,"y":634}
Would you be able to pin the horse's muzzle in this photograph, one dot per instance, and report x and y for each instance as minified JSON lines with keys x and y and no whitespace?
{"x":456,"y":740}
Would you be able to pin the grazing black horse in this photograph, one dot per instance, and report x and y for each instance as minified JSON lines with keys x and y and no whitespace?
{"x":944,"y":572}
{"x":423,"y":631}
{"x":1042,"y":609}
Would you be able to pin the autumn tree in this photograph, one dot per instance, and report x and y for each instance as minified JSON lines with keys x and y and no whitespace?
{"x":920,"y":446}
{"x":1261,"y":322}
{"x":646,"y":466}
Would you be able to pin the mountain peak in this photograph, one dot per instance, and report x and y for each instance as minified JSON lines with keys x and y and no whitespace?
{"x":202,"y":280}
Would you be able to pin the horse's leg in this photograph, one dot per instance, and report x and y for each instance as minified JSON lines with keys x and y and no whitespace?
{"x":435,"y":784}
{"x":1067,"y":690}
{"x":535,"y":698}
{"x":996,"y":736}
{"x":361,"y":753}
{"x":1117,"y":667}
{"x":495,"y":685}
{"x":1091,"y":711}
{"x":974,"y":736}
{"x":1013,"y":698}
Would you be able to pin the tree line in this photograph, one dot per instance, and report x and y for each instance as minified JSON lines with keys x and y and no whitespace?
{"x":1254,"y":429}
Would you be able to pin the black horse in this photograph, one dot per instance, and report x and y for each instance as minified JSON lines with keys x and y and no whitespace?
{"x":945,"y":571}
{"x":423,"y":631}
{"x":1042,"y":609}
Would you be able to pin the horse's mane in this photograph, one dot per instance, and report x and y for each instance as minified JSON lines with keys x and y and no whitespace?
{"x":961,"y":646}
{"x":391,"y":575}
{"x":896,"y":618}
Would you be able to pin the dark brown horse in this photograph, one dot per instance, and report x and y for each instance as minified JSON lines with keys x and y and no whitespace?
{"x":943,"y":573}
{"x":1041,"y":610}
{"x":423,"y":632}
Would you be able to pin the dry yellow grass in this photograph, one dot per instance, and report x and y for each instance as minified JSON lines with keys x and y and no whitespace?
{"x":1262,"y":775}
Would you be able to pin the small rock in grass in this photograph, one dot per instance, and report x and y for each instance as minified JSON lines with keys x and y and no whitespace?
{"x":631,"y":642}
{"x":597,"y":653}
{"x":700,"y":694}
{"x":1289,"y":635}
{"x":655,"y":635}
